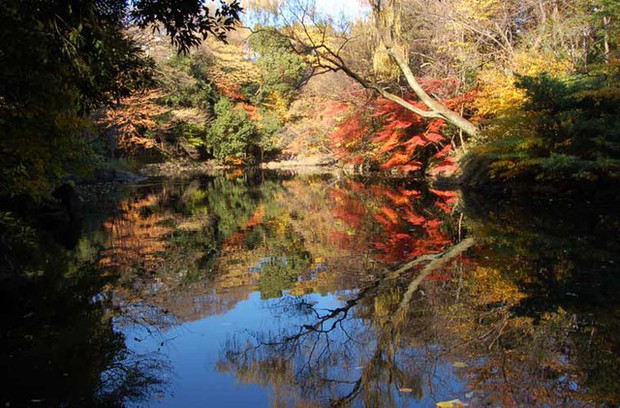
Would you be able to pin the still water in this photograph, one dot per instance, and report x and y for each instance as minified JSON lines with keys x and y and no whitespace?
{"x":282,"y":290}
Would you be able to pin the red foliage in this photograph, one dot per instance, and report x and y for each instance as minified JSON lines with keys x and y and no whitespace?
{"x":391,"y":135}
{"x":230,"y":90}
{"x":251,"y":110}
{"x":350,"y":137}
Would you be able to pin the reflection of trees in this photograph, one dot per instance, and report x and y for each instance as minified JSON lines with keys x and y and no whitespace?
{"x":167,"y":242}
{"x":400,"y":222}
{"x":530,"y":314}
{"x":377,"y":359}
{"x":279,"y":274}
{"x":391,"y":223}
{"x":59,"y":346}
{"x":562,"y":259}
{"x":528,"y":317}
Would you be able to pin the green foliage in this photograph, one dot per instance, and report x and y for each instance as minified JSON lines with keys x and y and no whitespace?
{"x":604,"y":19}
{"x":60,"y":60}
{"x":18,"y":241}
{"x":567,"y":129}
{"x":232,"y":135}
{"x":268,"y":128}
{"x":282,"y":69}
{"x":195,"y":134}
{"x":189,"y":86}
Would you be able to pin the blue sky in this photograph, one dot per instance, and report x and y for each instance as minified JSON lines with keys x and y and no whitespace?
{"x":350,"y":8}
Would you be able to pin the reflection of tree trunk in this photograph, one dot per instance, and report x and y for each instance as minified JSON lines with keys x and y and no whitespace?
{"x":438,"y":260}
{"x":383,"y":359}
{"x":386,"y":355}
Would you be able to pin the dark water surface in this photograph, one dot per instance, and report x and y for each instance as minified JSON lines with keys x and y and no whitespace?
{"x":265,"y":290}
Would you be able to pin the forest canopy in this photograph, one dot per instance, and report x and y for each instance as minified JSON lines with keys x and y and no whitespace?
{"x":61,"y":60}
{"x":507,"y":91}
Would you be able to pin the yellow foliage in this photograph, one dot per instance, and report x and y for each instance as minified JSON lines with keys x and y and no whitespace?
{"x":278,"y":104}
{"x":132,"y":119}
{"x":498,"y":94}
{"x":231,"y":66}
{"x":527,"y":63}
{"x":384,"y":65}
{"x":478,"y":10}
{"x":491,"y":287}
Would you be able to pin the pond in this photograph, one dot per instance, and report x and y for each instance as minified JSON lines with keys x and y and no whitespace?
{"x":268,"y":289}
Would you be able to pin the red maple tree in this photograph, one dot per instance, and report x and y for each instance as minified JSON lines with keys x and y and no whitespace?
{"x":384,"y":133}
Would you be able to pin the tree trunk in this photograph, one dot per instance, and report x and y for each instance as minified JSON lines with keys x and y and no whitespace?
{"x":386,"y":20}
{"x":433,"y":104}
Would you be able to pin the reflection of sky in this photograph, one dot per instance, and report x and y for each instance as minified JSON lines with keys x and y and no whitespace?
{"x":193,"y":349}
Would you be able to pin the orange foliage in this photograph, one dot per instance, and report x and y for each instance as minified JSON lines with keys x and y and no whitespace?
{"x":136,"y":238}
{"x":402,"y":227}
{"x":395,"y":137}
{"x":251,"y":110}
{"x":131,"y":121}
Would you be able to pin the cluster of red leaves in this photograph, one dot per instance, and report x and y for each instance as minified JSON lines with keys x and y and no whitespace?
{"x":350,"y":139}
{"x":236,"y":240}
{"x":395,"y":137}
{"x":251,"y":110}
{"x":229,"y":89}
{"x":391,"y":222}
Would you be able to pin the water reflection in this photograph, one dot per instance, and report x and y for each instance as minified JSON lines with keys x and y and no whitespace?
{"x":59,"y":347}
{"x":270,"y":290}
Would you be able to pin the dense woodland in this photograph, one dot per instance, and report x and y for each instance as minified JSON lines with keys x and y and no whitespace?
{"x":406,"y":99}
{"x":492,"y":91}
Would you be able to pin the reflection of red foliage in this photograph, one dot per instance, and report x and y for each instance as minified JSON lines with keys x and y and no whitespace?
{"x":450,"y":198}
{"x":236,"y":240}
{"x":397,"y":138}
{"x":391,"y":225}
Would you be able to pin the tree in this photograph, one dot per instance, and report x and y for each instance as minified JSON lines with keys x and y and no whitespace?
{"x":188,"y":22}
{"x":282,"y":70}
{"x":63,"y":59}
{"x":231,"y":135}
{"x":384,"y":133}
{"x":325,"y":46}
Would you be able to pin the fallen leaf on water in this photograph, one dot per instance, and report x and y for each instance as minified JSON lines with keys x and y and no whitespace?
{"x":405,"y":389}
{"x":458,"y":364}
{"x":451,"y":404}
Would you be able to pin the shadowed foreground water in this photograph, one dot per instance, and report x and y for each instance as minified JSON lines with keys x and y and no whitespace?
{"x":277,"y":290}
